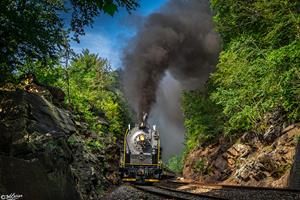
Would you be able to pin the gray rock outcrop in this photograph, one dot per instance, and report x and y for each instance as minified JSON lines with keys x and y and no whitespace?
{"x":46,"y":154}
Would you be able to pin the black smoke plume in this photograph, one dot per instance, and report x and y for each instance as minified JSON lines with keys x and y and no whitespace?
{"x":180,"y":39}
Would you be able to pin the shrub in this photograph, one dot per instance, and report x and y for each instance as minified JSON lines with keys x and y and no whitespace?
{"x":203,"y":118}
{"x":175,"y":163}
{"x":201,"y":166}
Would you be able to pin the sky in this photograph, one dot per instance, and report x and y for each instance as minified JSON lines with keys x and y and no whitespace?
{"x":109,"y":35}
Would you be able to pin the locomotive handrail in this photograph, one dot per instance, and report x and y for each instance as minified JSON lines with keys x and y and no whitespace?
{"x":158,"y":153}
{"x":125,"y":143}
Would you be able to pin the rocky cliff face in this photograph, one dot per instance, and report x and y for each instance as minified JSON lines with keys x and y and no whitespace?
{"x":44,"y":152}
{"x":250,"y":160}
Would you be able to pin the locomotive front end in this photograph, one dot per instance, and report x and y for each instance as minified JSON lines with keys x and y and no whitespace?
{"x":140,"y":159}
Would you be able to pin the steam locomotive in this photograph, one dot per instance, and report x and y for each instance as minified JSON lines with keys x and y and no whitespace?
{"x":140,"y":158}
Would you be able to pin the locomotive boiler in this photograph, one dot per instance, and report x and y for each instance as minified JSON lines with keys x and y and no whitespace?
{"x":140,"y":158}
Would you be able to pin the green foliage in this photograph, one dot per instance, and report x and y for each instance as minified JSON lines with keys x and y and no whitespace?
{"x":280,"y":170}
{"x":29,"y":29}
{"x":50,"y":73}
{"x":199,"y":165}
{"x":297,"y":139}
{"x":94,"y":144}
{"x":94,"y":93}
{"x":175,"y":163}
{"x":203,"y":118}
{"x":85,"y":10}
{"x":272,"y":23}
{"x":258,"y":70}
{"x":93,"y":88}
{"x":50,"y":145}
{"x":202,"y":167}
{"x":72,"y":140}
{"x":36,"y":30}
{"x":251,"y":82}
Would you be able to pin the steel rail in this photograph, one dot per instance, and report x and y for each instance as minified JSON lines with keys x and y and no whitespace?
{"x":173,"y":193}
{"x":224,"y":186}
{"x":190,"y":193}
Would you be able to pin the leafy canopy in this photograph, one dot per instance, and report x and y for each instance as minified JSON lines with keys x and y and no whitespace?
{"x":203,"y":118}
{"x":94,"y":91}
{"x":258,"y":70}
{"x":35,"y":30}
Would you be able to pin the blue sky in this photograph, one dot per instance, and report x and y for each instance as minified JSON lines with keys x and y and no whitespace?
{"x":109,"y":35}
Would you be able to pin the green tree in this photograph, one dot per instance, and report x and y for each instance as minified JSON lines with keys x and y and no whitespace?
{"x":49,"y":73}
{"x":83,"y":11}
{"x":273,"y":23}
{"x":35,"y":29}
{"x":203,"y":118}
{"x":252,"y":82}
{"x":29,"y":29}
{"x":258,"y":70}
{"x":175,"y":163}
{"x":94,"y":92}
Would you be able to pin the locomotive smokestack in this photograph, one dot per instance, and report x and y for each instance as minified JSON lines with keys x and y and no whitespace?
{"x":144,"y":120}
{"x":145,"y":117}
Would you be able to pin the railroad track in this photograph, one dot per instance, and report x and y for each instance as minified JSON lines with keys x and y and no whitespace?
{"x":235,"y":192}
{"x":240,"y":187}
{"x":171,"y":193}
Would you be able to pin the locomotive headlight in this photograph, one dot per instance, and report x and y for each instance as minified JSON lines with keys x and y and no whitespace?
{"x":142,"y":137}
